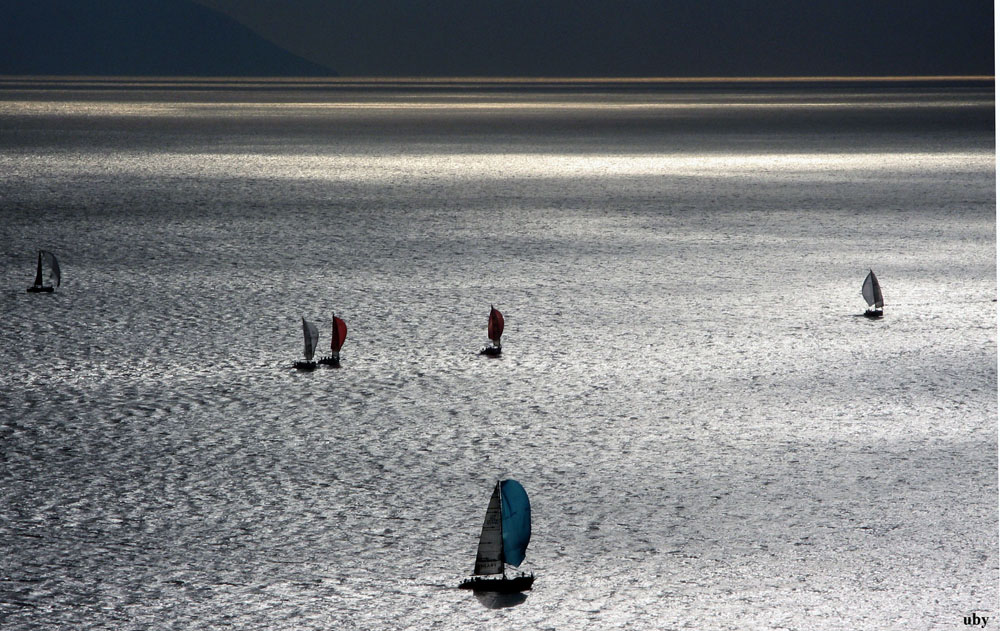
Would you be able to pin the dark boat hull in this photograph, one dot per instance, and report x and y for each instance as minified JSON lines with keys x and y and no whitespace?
{"x":873,"y":313}
{"x":503,"y":585}
{"x":330,"y":361}
{"x":305,"y":365}
{"x":491,"y":351}
{"x":36,"y":289}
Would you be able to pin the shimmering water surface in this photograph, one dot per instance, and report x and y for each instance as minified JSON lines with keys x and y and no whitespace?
{"x":710,"y":435}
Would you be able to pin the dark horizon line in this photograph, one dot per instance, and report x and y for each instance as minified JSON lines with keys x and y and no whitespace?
{"x":500,"y":78}
{"x":210,"y":83}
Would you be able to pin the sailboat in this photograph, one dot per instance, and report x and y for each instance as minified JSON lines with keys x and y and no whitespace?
{"x":494,"y":329}
{"x":311,"y":334}
{"x":872,"y":292}
{"x":50,"y":260}
{"x":505,"y":536}
{"x":336,"y":342}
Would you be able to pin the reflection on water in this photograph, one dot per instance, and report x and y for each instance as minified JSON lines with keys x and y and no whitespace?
{"x":493,"y":600}
{"x":708,"y":439}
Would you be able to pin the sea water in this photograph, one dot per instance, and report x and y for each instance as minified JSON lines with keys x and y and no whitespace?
{"x":710,"y":435}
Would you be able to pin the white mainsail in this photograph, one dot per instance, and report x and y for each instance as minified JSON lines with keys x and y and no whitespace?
{"x":872,"y":291}
{"x":489,"y":555}
{"x":311,"y":334}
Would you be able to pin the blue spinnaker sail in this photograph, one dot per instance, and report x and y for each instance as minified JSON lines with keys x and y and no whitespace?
{"x":516,"y":517}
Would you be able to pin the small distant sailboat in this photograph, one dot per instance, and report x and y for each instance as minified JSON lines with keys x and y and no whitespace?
{"x":494,"y":329}
{"x":336,"y":342}
{"x":49,"y":259}
{"x":872,"y":293}
{"x":505,"y":536}
{"x":311,"y":334}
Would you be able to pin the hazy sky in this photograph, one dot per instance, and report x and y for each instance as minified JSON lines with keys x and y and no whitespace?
{"x":528,"y":38}
{"x":629,"y":37}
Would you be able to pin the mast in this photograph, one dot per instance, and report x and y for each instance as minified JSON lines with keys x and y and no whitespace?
{"x":503,"y":557}
{"x":334,"y":348}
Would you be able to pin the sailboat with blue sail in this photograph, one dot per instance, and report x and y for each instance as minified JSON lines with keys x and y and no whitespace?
{"x":503,"y":541}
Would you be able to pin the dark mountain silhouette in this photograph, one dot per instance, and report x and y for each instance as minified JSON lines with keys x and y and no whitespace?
{"x":630,"y":37}
{"x":137,"y":38}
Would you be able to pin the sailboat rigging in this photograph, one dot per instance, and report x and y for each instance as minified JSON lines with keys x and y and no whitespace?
{"x":337,"y":338}
{"x":49,"y":259}
{"x":494,"y":329}
{"x":503,"y":541}
{"x":872,"y":292}
{"x":311,"y":336}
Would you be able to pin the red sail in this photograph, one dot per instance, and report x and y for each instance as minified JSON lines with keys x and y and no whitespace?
{"x":495,"y":327}
{"x":339,"y":334}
